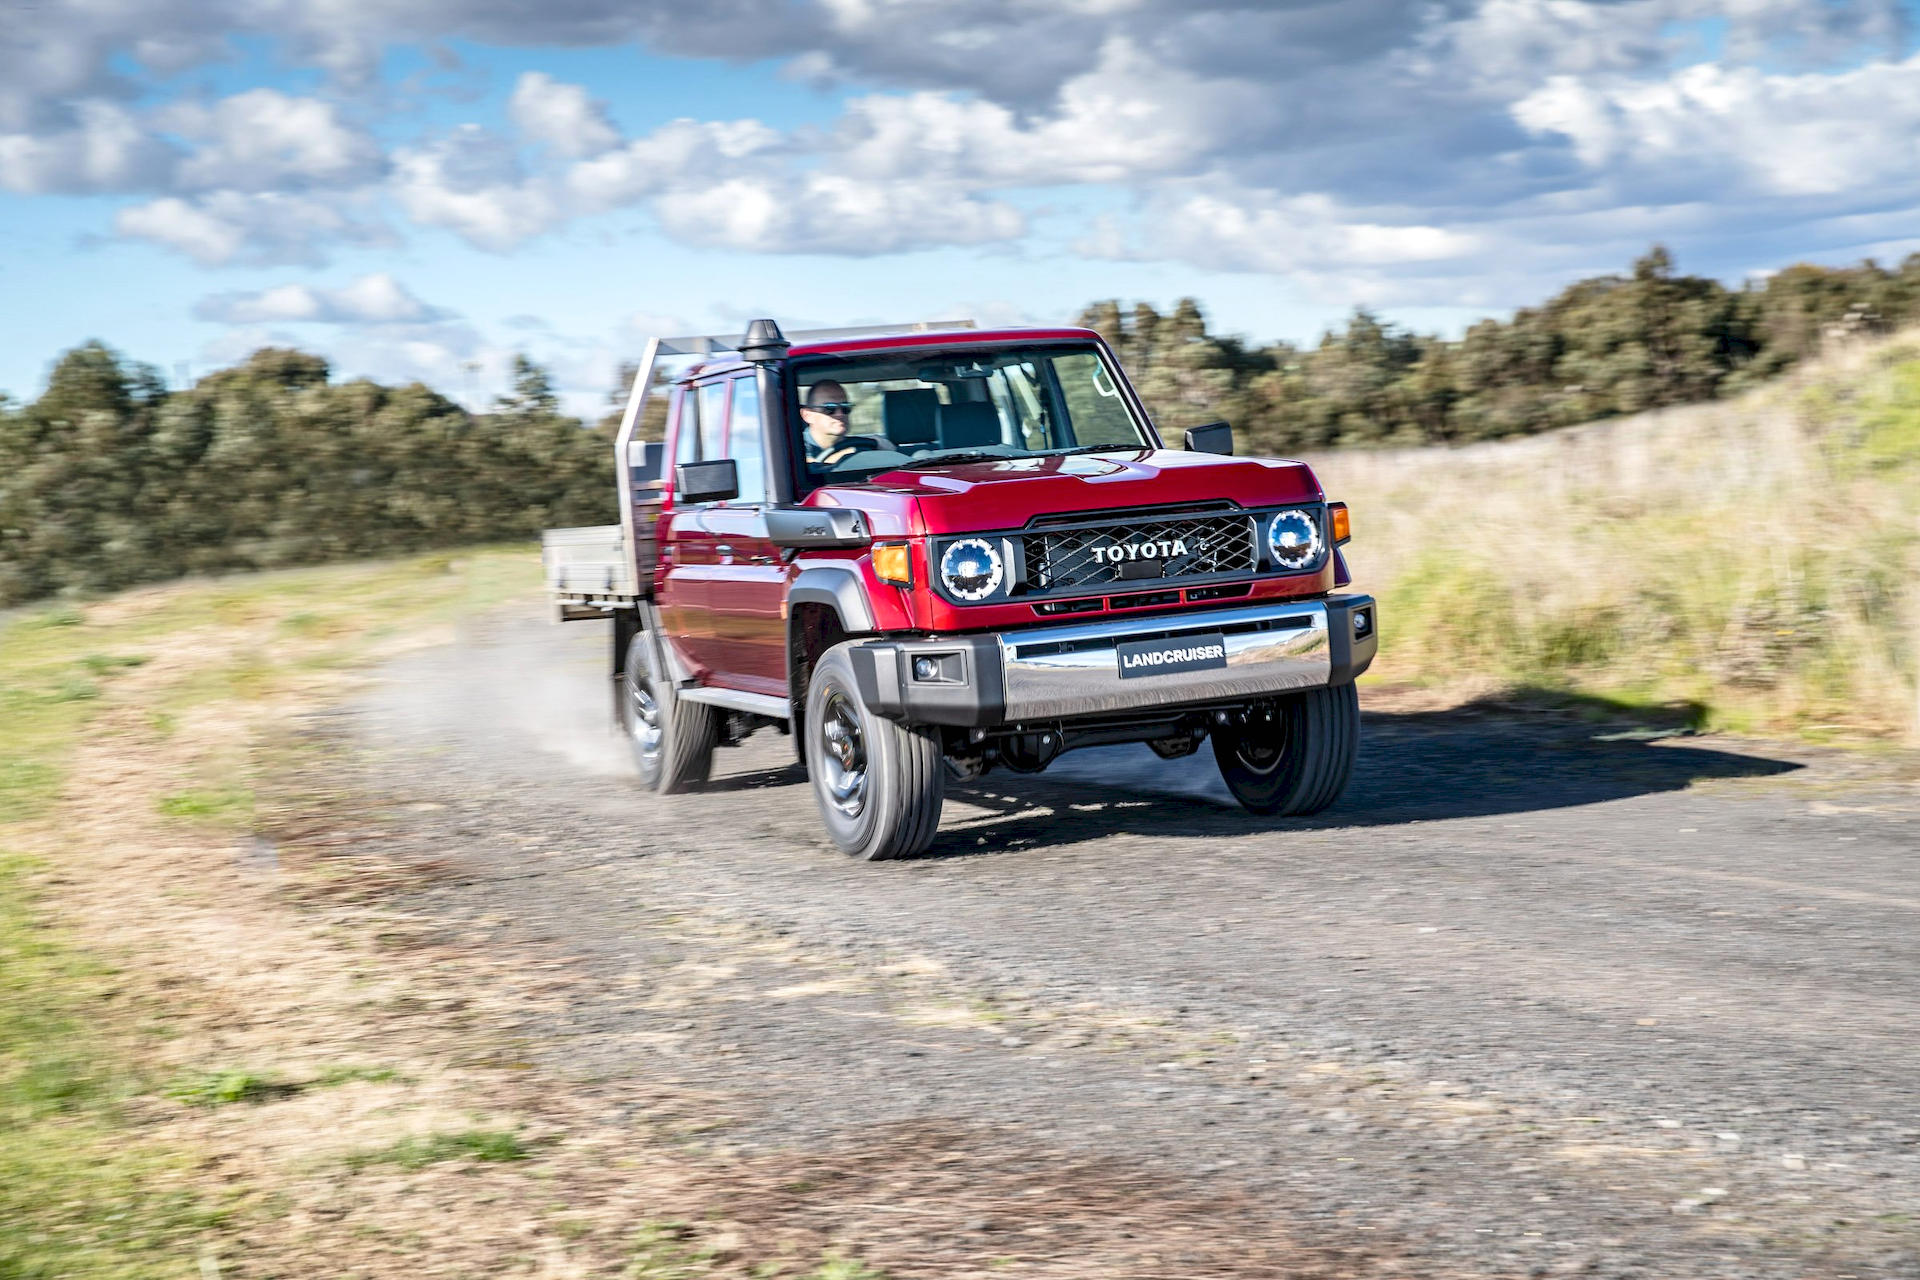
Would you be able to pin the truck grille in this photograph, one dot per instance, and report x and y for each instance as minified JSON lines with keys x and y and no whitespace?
{"x":1075,"y":559}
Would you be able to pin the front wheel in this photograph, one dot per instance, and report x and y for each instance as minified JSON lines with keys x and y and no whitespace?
{"x":1295,"y":757}
{"x":880,"y":785}
{"x":671,"y":740}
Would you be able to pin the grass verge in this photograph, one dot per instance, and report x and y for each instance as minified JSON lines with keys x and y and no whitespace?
{"x":494,"y":1146}
{"x":86,"y":1188}
{"x":1758,"y":559}
{"x":81,"y":1193}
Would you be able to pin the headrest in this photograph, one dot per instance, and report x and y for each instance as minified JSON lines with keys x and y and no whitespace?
{"x":969,"y":425}
{"x":908,"y":417}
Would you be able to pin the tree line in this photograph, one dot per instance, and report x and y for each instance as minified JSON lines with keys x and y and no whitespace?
{"x":1603,"y":346}
{"x":109,"y":479}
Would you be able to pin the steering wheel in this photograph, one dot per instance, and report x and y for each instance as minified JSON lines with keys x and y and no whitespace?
{"x":850,"y":445}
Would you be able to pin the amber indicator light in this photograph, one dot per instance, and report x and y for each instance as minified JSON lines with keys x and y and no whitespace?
{"x":892,"y":563}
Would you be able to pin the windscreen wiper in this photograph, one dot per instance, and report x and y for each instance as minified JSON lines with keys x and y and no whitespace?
{"x":942,"y":459}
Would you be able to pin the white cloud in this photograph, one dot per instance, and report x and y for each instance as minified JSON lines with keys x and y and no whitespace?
{"x":1379,"y":138}
{"x":1509,"y":45}
{"x":833,"y":213}
{"x":263,"y":140}
{"x":1126,"y":118}
{"x":222,"y":228}
{"x":470,"y":182}
{"x":678,"y":153}
{"x":1330,"y":251}
{"x":259,"y":140}
{"x":1797,"y":135}
{"x":560,"y":115}
{"x":1229,"y":230}
{"x":374,"y":299}
{"x":200,"y":234}
{"x":105,"y":149}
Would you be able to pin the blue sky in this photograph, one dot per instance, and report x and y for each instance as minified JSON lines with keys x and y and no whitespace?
{"x":422,"y":189}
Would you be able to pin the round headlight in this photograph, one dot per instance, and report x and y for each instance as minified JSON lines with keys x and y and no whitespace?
{"x":971,"y":569}
{"x":1293,"y":539}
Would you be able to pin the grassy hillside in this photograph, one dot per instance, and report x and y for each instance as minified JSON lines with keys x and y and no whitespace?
{"x":1758,"y":557}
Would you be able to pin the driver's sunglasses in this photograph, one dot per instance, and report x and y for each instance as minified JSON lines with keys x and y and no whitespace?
{"x":832,"y":406}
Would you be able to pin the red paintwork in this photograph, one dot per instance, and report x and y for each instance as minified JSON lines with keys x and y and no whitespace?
{"x":971,"y":496}
{"x":995,"y":496}
{"x":726,"y":614}
{"x":942,"y":338}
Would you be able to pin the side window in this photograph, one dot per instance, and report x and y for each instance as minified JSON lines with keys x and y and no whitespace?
{"x":746,"y":443}
{"x":1093,"y":403}
{"x":713,"y":419}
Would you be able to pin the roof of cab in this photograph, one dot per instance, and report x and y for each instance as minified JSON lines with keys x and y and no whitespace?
{"x":938,"y":338}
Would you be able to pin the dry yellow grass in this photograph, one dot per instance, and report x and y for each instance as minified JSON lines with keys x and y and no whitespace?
{"x":1758,"y":558}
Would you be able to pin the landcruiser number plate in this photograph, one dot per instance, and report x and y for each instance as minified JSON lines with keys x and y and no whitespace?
{"x":1167,"y":657}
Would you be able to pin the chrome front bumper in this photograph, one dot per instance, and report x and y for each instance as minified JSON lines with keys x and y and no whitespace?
{"x":1071,"y":671}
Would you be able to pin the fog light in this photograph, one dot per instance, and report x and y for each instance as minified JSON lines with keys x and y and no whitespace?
{"x":1361,"y":623}
{"x":925,"y":668}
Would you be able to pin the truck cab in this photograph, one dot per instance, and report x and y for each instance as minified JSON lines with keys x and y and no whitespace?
{"x":932,"y":551}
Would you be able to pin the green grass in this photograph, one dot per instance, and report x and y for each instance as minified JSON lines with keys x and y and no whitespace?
{"x":334,"y":1077}
{"x":485,"y":1145}
{"x":223,"y":1088}
{"x":79,"y":1197}
{"x":226,"y":806}
{"x":211,"y":1089}
{"x":105,"y":664}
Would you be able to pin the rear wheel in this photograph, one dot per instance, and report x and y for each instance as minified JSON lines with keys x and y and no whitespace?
{"x":1298,"y":760}
{"x":880,"y":785}
{"x":671,"y":740}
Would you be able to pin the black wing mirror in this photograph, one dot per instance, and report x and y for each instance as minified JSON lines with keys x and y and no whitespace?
{"x":816,"y":527}
{"x":695,"y":482}
{"x":1214,"y":437}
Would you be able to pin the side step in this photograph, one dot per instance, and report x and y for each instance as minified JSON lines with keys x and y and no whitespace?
{"x":759,"y":704}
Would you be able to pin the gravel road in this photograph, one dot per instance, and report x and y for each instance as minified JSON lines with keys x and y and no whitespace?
{"x":1534,"y":999}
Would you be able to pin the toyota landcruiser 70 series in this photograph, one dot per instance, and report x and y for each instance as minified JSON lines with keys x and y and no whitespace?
{"x":995,"y":560}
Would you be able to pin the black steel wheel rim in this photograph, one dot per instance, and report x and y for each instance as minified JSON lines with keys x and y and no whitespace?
{"x":1256,"y":755}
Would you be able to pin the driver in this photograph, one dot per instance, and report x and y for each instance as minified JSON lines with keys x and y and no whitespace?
{"x":825,"y":418}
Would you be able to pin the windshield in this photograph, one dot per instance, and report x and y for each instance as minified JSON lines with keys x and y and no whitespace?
{"x":864,"y":414}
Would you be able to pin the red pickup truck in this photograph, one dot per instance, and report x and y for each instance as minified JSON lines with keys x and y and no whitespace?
{"x":996,"y":561}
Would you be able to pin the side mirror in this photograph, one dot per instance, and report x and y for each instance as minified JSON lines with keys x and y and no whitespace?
{"x":696,"y":482}
{"x":1214,"y":437}
{"x":816,"y":527}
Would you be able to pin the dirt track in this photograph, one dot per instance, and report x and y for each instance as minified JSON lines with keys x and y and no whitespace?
{"x":1525,"y":1002}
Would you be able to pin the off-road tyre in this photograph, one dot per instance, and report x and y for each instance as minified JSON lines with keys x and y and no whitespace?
{"x":1299,"y":761}
{"x":879,"y":784}
{"x":671,"y":739}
